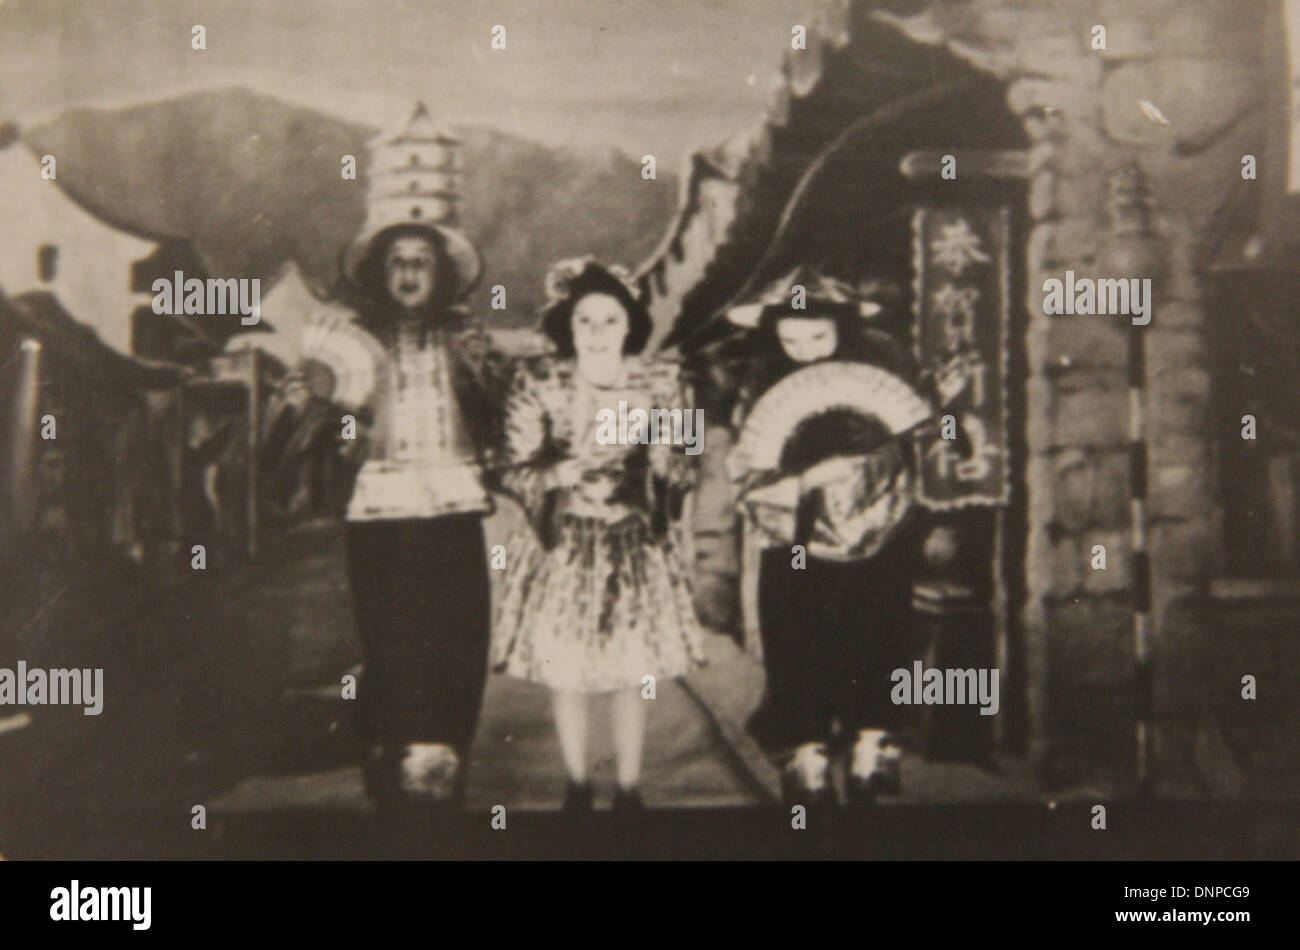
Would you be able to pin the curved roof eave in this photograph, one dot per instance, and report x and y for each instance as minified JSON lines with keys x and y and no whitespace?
{"x":42,"y":313}
{"x":854,"y":43}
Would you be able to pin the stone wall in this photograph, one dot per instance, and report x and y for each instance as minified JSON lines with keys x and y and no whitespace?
{"x":1178,"y":89}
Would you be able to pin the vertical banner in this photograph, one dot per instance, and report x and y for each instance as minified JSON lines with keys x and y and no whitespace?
{"x":961,"y":311}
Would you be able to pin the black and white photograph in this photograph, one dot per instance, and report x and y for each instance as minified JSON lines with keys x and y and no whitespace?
{"x":592,"y":423}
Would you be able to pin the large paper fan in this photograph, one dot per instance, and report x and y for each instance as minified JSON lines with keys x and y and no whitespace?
{"x":816,"y":391}
{"x":353,"y":356}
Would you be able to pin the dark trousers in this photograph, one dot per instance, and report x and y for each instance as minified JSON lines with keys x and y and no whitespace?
{"x":833,"y":633}
{"x":422,"y":604}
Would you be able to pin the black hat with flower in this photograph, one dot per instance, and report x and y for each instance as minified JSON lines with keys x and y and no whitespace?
{"x":803,"y":293}
{"x":570,"y":280}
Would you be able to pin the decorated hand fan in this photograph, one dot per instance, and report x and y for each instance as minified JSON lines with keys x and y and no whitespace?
{"x":827,"y":409}
{"x":328,"y":339}
{"x":351,"y":354}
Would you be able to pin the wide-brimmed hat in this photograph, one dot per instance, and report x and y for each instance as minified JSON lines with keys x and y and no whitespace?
{"x":462,"y":253}
{"x":413,"y":185}
{"x":822,"y":297}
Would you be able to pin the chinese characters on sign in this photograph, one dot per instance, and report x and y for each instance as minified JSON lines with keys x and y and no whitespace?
{"x":961,"y":314}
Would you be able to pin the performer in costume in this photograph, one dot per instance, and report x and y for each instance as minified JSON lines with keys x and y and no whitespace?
{"x":595,"y":596}
{"x":824,"y":484}
{"x":414,"y":538}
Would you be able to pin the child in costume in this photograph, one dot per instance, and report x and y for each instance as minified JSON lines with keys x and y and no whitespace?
{"x":595,"y":595}
{"x":413,"y":535}
{"x":827,"y":501}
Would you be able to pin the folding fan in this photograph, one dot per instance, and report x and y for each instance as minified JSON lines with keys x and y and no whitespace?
{"x":326,"y":337}
{"x":330,"y":337}
{"x":822,"y":390}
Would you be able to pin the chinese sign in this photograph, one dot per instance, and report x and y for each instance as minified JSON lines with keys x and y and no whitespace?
{"x":961,"y":313}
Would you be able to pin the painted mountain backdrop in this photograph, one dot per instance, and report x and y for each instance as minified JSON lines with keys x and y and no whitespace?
{"x":255,"y":182}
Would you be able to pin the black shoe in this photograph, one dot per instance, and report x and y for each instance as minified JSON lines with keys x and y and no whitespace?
{"x":862,"y":792}
{"x":379,"y":775}
{"x":577,"y":797}
{"x":628,"y":801}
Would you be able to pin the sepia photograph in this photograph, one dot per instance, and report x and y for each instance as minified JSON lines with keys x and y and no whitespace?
{"x":682,"y":429}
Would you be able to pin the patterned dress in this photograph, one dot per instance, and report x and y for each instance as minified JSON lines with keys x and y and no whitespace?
{"x":595,"y":595}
